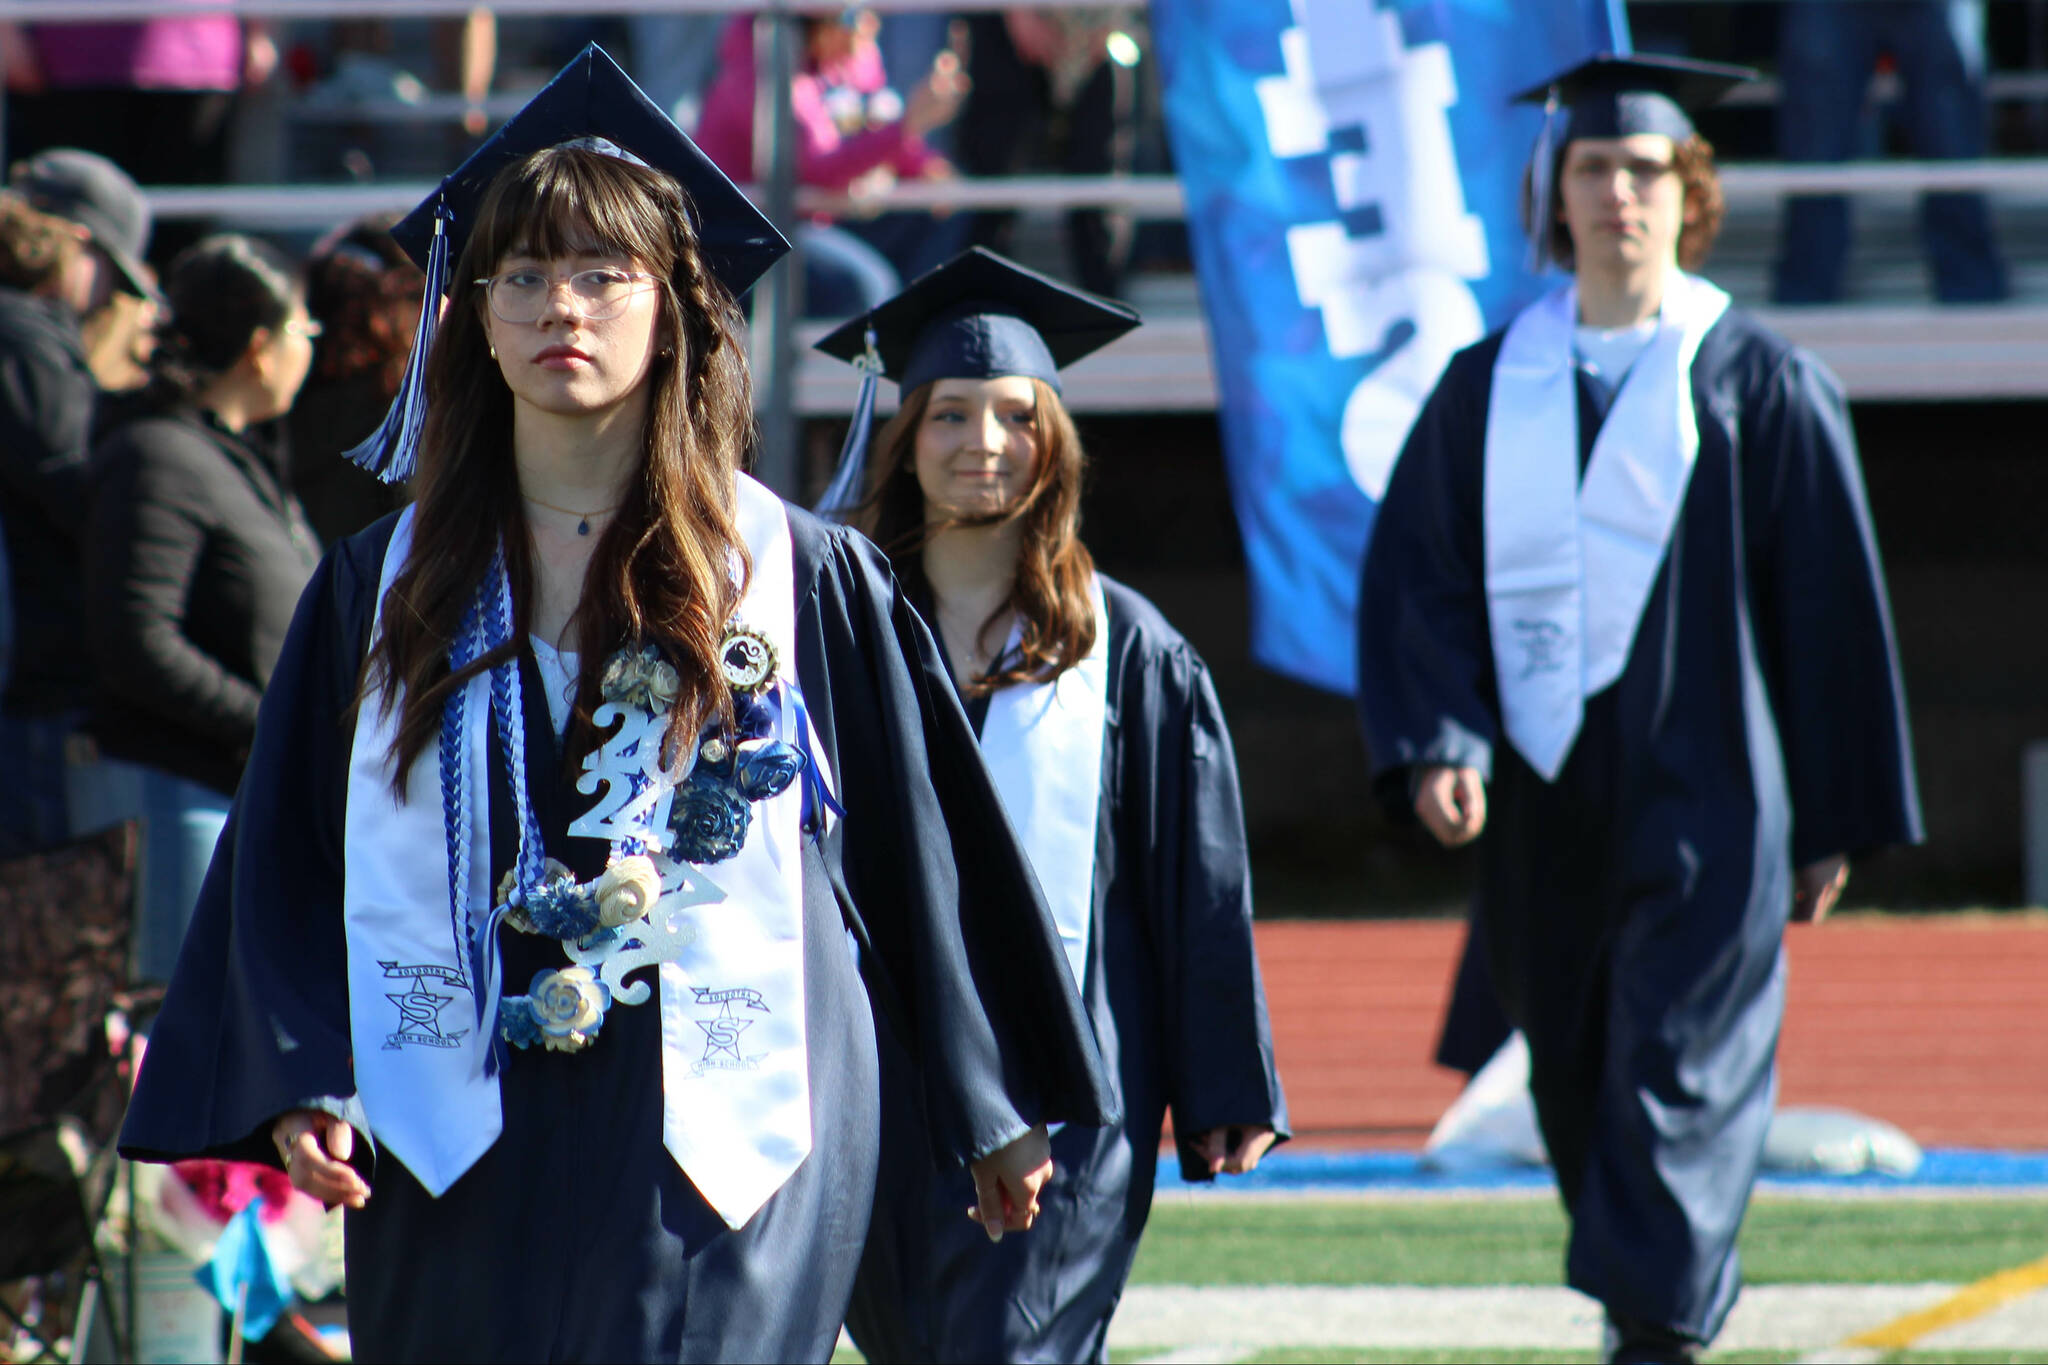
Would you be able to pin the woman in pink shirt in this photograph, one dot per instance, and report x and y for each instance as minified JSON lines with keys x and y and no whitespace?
{"x":855,"y":134}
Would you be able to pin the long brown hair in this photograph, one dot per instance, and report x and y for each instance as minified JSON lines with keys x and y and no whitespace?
{"x":663,"y":572}
{"x":1053,"y":595}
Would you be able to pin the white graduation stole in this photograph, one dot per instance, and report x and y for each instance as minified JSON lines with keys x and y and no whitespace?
{"x":735,"y":1066}
{"x":1042,"y":745}
{"x":735,"y":1074}
{"x":1569,"y":565}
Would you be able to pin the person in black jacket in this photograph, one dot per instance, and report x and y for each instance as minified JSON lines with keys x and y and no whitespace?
{"x":197,"y":553}
{"x":71,"y":228}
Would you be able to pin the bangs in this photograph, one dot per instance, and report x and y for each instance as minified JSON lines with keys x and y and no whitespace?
{"x":572,"y":201}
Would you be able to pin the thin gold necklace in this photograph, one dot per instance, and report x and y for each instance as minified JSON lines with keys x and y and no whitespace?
{"x":582,"y":518}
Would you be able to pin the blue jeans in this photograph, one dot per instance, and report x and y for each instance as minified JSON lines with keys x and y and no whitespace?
{"x":1826,"y":53}
{"x":32,"y":814}
{"x":842,"y":274}
{"x":180,"y":821}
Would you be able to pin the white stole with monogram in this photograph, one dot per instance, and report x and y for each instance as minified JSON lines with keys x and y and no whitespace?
{"x":1570,"y":564}
{"x":1042,"y":745}
{"x":728,"y":940}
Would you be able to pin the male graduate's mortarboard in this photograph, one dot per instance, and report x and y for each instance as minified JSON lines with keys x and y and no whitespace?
{"x":1610,"y":95}
{"x":978,"y":316}
{"x":590,"y":101}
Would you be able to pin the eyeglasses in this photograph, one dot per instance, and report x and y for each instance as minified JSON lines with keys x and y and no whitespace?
{"x":521,"y":296}
{"x":304,"y":327}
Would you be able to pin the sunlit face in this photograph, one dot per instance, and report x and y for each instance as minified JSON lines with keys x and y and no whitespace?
{"x":977,"y":447}
{"x":284,"y":358}
{"x":564,"y":361}
{"x":1622,"y":200}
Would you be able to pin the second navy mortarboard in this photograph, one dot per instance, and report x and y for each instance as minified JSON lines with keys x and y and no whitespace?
{"x":982,"y":316}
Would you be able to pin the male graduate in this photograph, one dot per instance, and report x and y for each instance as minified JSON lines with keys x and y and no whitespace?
{"x":1623,"y":612}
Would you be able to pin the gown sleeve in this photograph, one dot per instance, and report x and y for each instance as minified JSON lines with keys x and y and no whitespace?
{"x":947,"y":897}
{"x":256,"y":1020}
{"x":1824,"y":625}
{"x":1425,"y":665}
{"x":1220,"y":1041}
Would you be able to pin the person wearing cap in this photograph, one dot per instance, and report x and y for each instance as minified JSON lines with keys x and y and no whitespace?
{"x":1102,"y":731}
{"x":77,"y":230}
{"x":575,"y":782}
{"x":1623,"y":613}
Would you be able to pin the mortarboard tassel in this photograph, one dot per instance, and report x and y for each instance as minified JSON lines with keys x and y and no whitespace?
{"x":844,"y":492}
{"x":391,"y":452}
{"x":1542,"y":212}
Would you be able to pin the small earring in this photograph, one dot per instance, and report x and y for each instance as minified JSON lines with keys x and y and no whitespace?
{"x":494,"y":353}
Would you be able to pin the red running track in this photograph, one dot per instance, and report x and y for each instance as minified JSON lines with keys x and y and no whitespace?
{"x":1938,"y":1024}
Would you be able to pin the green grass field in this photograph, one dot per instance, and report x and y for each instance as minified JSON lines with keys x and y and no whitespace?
{"x":1785,"y":1240}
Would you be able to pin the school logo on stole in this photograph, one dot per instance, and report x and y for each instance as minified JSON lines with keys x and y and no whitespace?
{"x":420,"y":1006}
{"x":722,"y":1031}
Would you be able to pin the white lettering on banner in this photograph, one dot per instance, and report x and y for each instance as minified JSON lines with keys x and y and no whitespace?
{"x":1389,"y":275}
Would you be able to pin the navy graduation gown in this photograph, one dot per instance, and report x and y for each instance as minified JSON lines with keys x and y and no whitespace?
{"x":575,"y":1236}
{"x":1633,"y":911}
{"x":1172,"y":987}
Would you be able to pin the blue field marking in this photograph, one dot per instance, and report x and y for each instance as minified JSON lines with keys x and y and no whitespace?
{"x":1403,"y":1172}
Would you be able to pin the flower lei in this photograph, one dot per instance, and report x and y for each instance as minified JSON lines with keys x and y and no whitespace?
{"x":656,"y":818}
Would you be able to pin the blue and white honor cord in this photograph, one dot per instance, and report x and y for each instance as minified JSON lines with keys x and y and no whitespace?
{"x":487,"y":626}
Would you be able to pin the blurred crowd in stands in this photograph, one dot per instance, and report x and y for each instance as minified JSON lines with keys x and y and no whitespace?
{"x":173,"y":402}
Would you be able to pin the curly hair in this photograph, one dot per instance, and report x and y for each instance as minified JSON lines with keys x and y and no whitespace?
{"x":365,"y":293}
{"x":670,"y":570}
{"x":1052,"y":595}
{"x":1693,"y":160}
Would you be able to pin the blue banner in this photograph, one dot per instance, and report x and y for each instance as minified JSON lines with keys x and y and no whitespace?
{"x":1353,"y":173}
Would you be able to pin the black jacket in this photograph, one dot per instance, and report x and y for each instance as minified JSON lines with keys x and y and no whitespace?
{"x":47,"y":396}
{"x":196,"y":557}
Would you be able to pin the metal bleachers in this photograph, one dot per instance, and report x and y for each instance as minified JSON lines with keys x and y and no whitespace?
{"x":1888,"y":341}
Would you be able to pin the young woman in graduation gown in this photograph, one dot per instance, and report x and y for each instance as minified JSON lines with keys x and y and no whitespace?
{"x":577,"y":792}
{"x":1103,"y":734}
{"x":1623,"y":612}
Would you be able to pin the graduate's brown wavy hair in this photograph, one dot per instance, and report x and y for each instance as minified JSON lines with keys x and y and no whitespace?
{"x":1053,"y":595}
{"x":1693,"y":160}
{"x":671,"y":568}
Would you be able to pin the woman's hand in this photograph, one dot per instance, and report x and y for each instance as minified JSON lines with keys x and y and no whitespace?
{"x":1233,"y":1149}
{"x":1816,"y":887}
{"x":1451,"y":803}
{"x":315,"y":1148}
{"x":1007,"y":1182}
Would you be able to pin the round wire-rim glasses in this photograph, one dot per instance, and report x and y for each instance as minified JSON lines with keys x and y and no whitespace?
{"x":522,"y":295}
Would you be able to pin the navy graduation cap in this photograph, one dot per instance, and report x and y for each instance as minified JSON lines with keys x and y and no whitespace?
{"x":1610,"y":95}
{"x":978,"y":316}
{"x":592,"y":100}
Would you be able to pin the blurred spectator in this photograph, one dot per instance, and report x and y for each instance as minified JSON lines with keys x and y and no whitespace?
{"x":1826,"y":54}
{"x":674,"y":57}
{"x":72,"y":227}
{"x":1053,"y":90}
{"x":365,"y":294}
{"x":196,"y":555}
{"x":156,"y":96}
{"x":854,"y":134}
{"x":352,"y":70}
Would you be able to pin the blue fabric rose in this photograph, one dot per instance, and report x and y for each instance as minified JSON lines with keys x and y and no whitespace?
{"x":708,"y":818}
{"x":765,"y":768}
{"x":568,"y":1006}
